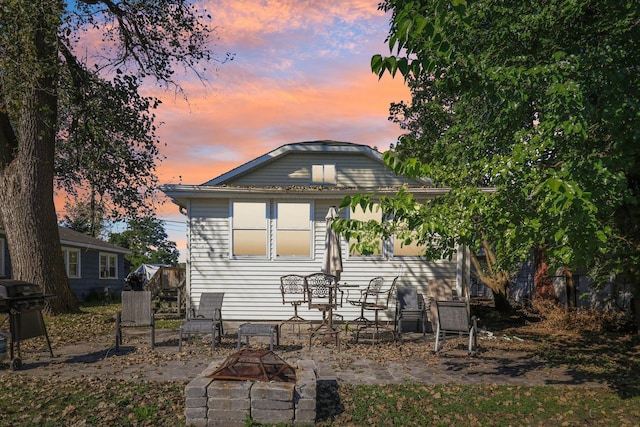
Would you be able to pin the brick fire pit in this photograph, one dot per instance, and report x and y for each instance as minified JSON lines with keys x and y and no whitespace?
{"x":225,"y":402}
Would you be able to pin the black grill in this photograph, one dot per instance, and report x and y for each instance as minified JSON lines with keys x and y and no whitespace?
{"x":19,"y":295}
{"x":23,"y":302}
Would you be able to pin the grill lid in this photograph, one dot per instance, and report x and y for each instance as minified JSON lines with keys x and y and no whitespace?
{"x":254,"y":365}
{"x":10,"y":288}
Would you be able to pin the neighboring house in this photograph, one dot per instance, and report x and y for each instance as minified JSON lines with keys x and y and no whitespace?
{"x":266,"y":218}
{"x":94,"y":267}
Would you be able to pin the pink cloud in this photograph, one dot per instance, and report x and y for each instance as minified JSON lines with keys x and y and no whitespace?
{"x":247,"y":114}
{"x":301,"y":72}
{"x":246,"y":17}
{"x":221,"y":132}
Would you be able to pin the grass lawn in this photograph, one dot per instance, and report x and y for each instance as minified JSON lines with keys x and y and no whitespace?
{"x":28,"y":401}
{"x":594,"y":345}
{"x":468,"y":405}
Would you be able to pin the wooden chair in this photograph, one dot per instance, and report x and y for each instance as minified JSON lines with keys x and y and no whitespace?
{"x":293,"y":292}
{"x":136,"y":312}
{"x":207,"y":319}
{"x":455,"y":317}
{"x":410,"y":307}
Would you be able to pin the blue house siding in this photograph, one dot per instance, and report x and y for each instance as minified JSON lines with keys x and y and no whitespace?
{"x":89,"y":283}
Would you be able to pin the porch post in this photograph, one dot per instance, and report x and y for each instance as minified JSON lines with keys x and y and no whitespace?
{"x":463,"y":271}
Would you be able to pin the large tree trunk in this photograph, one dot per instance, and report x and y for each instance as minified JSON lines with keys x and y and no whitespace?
{"x":501,"y":291}
{"x":572,"y":297}
{"x":542,"y":282}
{"x":26,"y":175}
{"x":496,"y":280}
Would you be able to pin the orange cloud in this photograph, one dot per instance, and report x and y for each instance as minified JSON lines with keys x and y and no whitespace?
{"x":301,"y":72}
{"x":226,"y":129}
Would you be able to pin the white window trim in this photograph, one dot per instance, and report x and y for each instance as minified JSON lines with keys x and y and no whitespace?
{"x":65,"y":253}
{"x":267,"y":229}
{"x":384,"y":250}
{"x":108,"y":255}
{"x":275,"y":230}
{"x":271,"y":228}
{"x":323,"y":178}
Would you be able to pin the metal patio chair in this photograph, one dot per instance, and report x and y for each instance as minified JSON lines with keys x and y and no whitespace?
{"x":374,"y":286}
{"x":322,"y":294}
{"x":410,"y":307}
{"x":377,"y":302}
{"x":293,"y":292}
{"x":455,"y":317}
{"x":136,"y":312}
{"x":207,"y":319}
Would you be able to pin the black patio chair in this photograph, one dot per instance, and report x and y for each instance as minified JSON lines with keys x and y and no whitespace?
{"x":374,"y":287}
{"x":455,"y":317}
{"x":410,"y":307}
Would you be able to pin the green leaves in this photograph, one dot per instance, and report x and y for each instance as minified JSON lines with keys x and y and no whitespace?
{"x":524,"y":99}
{"x":415,"y":28}
{"x":411,"y":167}
{"x":147,"y":240}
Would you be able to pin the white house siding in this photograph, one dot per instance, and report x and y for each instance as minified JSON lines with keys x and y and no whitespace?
{"x":294,"y":169}
{"x":252,"y":286}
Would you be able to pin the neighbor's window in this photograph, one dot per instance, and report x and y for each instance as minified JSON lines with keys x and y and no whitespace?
{"x":364,"y":216}
{"x":249,"y":229}
{"x":323,"y":174}
{"x":71,"y":262}
{"x":108,"y":266}
{"x":293,"y":229}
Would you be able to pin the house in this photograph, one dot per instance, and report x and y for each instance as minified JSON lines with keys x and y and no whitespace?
{"x":266,"y":218}
{"x":94,"y":267}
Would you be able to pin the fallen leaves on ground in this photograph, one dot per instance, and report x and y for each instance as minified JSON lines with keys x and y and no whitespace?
{"x":591,"y":346}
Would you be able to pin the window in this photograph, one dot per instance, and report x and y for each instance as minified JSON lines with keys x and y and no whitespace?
{"x":71,"y":262}
{"x":412,"y":249}
{"x":323,"y":174}
{"x":249,"y":229}
{"x":293,"y":229}
{"x":358,"y":214}
{"x":108,"y":266}
{"x":404,"y":231}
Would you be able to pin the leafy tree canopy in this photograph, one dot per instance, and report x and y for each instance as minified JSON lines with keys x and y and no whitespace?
{"x":84,"y":217}
{"x":147,"y":240}
{"x":107,"y":143}
{"x":536,"y":100}
{"x":72,"y":116}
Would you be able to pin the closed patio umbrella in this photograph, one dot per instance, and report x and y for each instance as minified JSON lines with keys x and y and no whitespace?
{"x":332,"y":262}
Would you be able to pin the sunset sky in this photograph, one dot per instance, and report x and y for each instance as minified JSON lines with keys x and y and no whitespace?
{"x":301,"y":72}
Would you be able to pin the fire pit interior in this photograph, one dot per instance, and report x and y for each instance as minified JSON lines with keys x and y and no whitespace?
{"x":255,"y":365}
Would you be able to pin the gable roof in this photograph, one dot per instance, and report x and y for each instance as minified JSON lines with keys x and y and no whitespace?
{"x":69,"y":237}
{"x":226,"y":185}
{"x":325,"y":146}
